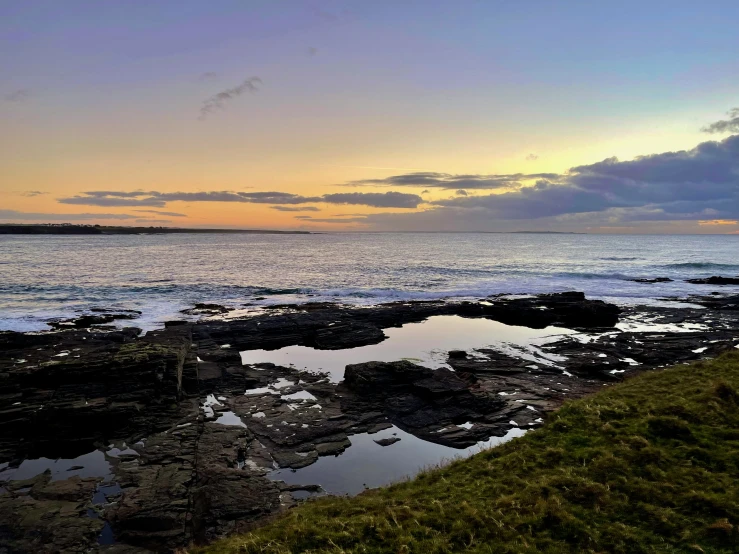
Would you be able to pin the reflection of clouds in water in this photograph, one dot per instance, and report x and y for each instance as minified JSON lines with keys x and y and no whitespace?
{"x":92,"y":464}
{"x":230,"y":418}
{"x":426,"y":343}
{"x":366,"y":464}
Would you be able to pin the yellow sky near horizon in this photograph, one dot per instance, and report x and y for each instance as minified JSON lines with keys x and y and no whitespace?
{"x":67,"y":165}
{"x":298,"y":98}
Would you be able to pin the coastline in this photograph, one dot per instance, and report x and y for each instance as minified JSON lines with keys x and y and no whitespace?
{"x":70,"y":229}
{"x":648,"y":465}
{"x":150,"y":405}
{"x":160,"y":275}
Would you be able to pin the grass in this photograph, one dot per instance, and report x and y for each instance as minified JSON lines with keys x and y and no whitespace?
{"x":649,"y":465}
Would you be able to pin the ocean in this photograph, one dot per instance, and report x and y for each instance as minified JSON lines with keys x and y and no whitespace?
{"x":48,"y":277}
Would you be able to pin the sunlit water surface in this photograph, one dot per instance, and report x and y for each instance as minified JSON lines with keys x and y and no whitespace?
{"x":43,"y":277}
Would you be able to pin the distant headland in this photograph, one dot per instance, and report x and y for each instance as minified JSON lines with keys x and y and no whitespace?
{"x":71,"y":229}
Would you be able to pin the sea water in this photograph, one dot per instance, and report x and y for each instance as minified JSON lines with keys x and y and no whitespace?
{"x":44,"y":277}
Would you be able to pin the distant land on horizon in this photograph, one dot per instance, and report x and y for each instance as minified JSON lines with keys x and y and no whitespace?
{"x":69,"y":229}
{"x":72,"y":229}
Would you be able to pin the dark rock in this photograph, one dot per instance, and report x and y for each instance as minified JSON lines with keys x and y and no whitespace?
{"x":64,"y":393}
{"x":226,"y":501}
{"x":85,"y":321}
{"x":305,"y":307}
{"x":417,"y":399}
{"x":333,"y":448}
{"x":207,"y":309}
{"x":565,"y":309}
{"x":388,"y":441}
{"x":348,"y":336}
{"x":295,"y":488}
{"x":714,"y":280}
{"x":175,"y":323}
{"x":72,"y":400}
{"x":73,"y":489}
{"x":294,"y":460}
{"x":51,"y":518}
{"x":653,"y":280}
{"x":718,"y":301}
{"x":108,"y":311}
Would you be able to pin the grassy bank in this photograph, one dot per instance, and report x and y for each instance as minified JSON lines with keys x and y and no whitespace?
{"x":650,"y":465}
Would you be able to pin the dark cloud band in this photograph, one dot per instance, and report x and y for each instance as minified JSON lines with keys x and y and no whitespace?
{"x":685,"y":184}
{"x":730,"y":125}
{"x":450,"y":181}
{"x":13,"y":215}
{"x":160,"y":199}
{"x":218,"y":101}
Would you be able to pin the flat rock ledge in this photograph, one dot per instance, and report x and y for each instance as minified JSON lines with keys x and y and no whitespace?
{"x":186,"y":455}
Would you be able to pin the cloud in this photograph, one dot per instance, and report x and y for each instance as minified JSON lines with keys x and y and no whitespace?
{"x":687,"y":185}
{"x":661,"y":190}
{"x":375,"y":199}
{"x":542,"y":200}
{"x":121,"y":194}
{"x":147,"y":220}
{"x":268,"y":197}
{"x":719,"y":222}
{"x":19,"y":216}
{"x":32,"y":193}
{"x":730,"y":125}
{"x":207,"y":76}
{"x":312,"y":51}
{"x":111,"y":201}
{"x":170,"y":214}
{"x":160,"y":199}
{"x":218,"y":101}
{"x":310,"y":219}
{"x":452,"y":182}
{"x":461,"y":192}
{"x":532,"y":158}
{"x":296,"y":208}
{"x":667,"y":191}
{"x":425,"y":191}
{"x":20,"y":95}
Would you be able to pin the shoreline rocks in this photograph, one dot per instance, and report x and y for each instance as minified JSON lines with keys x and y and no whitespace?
{"x":714,"y":280}
{"x":190,"y":453}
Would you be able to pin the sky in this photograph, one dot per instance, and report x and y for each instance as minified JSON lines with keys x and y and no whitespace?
{"x":384,"y":115}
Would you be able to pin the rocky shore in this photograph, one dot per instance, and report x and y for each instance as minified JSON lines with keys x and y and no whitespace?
{"x":185,"y":436}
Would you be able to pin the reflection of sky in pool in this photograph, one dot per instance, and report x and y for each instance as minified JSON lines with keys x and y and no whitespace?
{"x":426,"y":343}
{"x":93,"y":464}
{"x":367,"y":464}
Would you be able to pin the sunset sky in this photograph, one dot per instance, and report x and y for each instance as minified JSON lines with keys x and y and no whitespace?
{"x":498,"y":115}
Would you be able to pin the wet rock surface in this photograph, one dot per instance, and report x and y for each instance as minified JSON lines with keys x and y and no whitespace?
{"x":40,"y":515}
{"x":388,"y":441}
{"x":652,"y":280}
{"x":428,"y":403}
{"x":715,"y":280}
{"x":99,"y":317}
{"x":188,"y":436}
{"x":207,"y":309}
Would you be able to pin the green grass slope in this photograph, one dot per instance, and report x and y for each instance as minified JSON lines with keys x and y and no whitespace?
{"x":649,"y":465}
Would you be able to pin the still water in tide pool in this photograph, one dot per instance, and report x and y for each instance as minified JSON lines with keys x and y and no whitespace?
{"x":426,"y":343}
